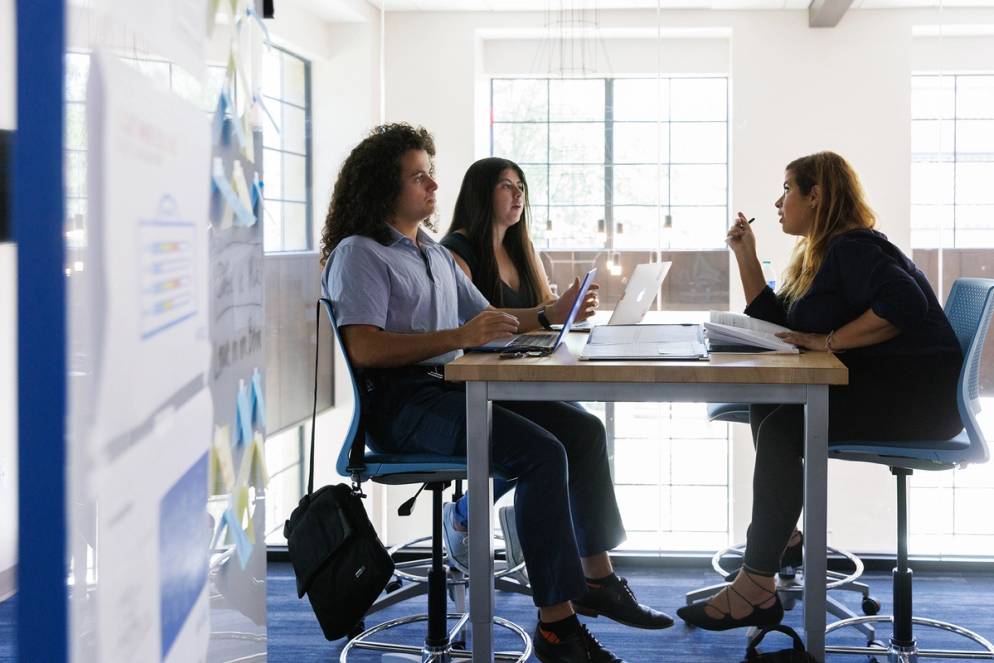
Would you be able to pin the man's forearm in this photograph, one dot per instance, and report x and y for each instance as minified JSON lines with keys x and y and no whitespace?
{"x":527,"y":317}
{"x":375,"y":348}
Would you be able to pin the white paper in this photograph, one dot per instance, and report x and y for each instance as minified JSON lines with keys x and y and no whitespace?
{"x":645,"y":342}
{"x":149,"y":187}
{"x":719,"y":333}
{"x":635,"y":334}
{"x":744,"y":322}
{"x":151,"y":597}
{"x":149,"y":445}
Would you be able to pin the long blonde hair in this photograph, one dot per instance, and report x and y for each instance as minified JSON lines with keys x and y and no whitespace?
{"x":842,"y":207}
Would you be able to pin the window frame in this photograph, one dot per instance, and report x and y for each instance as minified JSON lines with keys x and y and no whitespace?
{"x":608,"y":164}
{"x":307,"y":155}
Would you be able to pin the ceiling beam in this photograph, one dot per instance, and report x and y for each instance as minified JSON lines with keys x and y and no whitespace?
{"x":827,"y":13}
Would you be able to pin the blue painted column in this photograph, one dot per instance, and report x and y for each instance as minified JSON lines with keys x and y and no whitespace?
{"x":42,"y":625}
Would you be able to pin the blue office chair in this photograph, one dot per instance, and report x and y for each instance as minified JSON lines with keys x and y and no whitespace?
{"x":733,"y":413}
{"x":726,"y":562}
{"x":969,"y":309}
{"x":435,"y":472}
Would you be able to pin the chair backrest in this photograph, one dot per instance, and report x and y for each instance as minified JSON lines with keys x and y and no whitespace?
{"x":969,"y":309}
{"x":354,"y":426}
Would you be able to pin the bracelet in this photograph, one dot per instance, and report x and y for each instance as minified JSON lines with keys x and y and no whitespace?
{"x":828,"y":342}
{"x":543,"y":319}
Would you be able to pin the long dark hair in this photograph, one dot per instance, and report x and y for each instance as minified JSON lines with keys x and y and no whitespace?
{"x":474,"y":216}
{"x":369,"y":183}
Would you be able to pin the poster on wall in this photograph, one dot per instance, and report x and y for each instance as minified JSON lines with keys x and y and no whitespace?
{"x":148,"y":445}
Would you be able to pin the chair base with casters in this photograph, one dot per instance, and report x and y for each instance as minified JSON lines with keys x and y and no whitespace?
{"x":414,"y":569}
{"x":789,"y":589}
{"x":410,"y":577}
{"x":969,"y":309}
{"x":902,"y":647}
{"x":442,"y":643}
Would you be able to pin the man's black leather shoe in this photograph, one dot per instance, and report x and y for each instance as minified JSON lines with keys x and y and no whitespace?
{"x":616,"y":601}
{"x":579,"y":646}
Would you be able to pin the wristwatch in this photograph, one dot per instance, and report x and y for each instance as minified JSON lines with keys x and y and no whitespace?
{"x":543,"y":319}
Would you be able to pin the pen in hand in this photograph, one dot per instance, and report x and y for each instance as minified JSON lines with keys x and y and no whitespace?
{"x":751,"y":220}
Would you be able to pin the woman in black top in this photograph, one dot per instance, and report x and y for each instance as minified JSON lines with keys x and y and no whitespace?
{"x":849,"y":291}
{"x":489,"y":240}
{"x":489,"y":235}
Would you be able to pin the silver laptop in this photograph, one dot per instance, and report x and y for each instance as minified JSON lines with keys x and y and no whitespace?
{"x":640,"y":293}
{"x":546,"y":342}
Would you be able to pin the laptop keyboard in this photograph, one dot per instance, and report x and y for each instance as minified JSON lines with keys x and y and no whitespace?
{"x":537,"y":341}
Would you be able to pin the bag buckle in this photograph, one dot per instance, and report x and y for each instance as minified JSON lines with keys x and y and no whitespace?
{"x":357,"y":487}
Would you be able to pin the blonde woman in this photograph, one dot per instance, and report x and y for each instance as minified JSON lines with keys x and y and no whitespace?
{"x":849,"y":291}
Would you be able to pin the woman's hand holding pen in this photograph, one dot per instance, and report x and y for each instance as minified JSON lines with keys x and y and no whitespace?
{"x":740,"y":238}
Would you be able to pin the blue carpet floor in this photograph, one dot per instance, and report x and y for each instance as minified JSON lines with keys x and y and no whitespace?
{"x":294,"y":636}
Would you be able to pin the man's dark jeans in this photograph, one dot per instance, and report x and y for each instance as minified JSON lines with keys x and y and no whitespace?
{"x":556,"y":452}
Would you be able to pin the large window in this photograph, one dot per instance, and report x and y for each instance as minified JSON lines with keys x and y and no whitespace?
{"x":623,"y":171}
{"x":671,"y":475}
{"x":952,"y":144}
{"x":952,"y":235}
{"x":286,"y":135}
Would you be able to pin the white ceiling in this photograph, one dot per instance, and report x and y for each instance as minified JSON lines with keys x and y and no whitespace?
{"x":544,"y":5}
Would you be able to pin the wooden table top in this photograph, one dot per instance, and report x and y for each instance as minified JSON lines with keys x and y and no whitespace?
{"x":819,"y":368}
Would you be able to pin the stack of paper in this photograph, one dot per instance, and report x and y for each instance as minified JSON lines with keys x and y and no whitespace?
{"x":645,"y":342}
{"x":733,"y":332}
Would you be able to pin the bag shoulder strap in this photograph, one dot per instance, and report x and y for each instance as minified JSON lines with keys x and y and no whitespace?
{"x":357,"y":461}
{"x":752,"y":654}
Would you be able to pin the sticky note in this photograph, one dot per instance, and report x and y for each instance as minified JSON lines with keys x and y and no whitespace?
{"x":258,"y":402}
{"x":217,"y":121}
{"x":248,"y":139}
{"x":243,"y":547}
{"x":243,"y":513}
{"x":243,"y":190}
{"x":257,"y":187}
{"x":228,"y":193}
{"x":222,"y":465}
{"x":243,"y":416}
{"x":260,"y":475}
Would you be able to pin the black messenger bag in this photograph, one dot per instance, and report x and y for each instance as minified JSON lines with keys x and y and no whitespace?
{"x":337,"y":557}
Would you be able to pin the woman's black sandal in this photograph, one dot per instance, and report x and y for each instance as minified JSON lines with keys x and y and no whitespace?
{"x":696,"y":615}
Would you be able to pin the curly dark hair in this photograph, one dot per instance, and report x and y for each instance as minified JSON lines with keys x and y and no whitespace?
{"x":369,"y":184}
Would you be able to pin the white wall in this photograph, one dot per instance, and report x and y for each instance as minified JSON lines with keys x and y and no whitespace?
{"x":794,"y":90}
{"x":8,"y":327}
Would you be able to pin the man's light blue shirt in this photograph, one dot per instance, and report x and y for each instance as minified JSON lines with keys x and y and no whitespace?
{"x":400,"y":287}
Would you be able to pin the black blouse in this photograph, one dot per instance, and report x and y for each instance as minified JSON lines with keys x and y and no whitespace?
{"x":863,"y":270}
{"x":460,"y":245}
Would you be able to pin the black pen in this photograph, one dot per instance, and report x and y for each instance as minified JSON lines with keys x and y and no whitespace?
{"x":751,"y":220}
